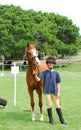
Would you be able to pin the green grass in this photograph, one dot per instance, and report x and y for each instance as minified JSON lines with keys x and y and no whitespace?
{"x":73,"y":67}
{"x":14,"y":118}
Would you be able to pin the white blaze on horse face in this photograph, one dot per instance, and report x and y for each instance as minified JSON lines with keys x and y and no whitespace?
{"x":35,"y":55}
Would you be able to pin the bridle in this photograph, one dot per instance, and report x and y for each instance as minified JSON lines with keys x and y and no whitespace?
{"x":31,"y":60}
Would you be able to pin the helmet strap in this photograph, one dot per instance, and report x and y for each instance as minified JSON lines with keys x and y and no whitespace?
{"x":51,"y":68}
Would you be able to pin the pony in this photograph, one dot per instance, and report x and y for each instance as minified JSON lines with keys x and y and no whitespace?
{"x":34,"y":64}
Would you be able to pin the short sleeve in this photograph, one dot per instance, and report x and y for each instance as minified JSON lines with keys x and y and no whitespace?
{"x":41,"y":76}
{"x":58,"y":78}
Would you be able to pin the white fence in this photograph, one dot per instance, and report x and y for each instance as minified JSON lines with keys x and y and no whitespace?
{"x":7,"y":64}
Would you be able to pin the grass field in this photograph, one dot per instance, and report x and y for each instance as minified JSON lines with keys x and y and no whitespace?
{"x":15,"y":118}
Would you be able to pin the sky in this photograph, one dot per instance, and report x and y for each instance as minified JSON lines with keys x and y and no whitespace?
{"x":68,"y":8}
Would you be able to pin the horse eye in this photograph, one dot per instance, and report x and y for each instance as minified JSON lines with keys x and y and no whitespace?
{"x":29,"y":53}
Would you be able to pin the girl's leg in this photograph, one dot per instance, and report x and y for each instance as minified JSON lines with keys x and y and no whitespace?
{"x":48,"y":100}
{"x":59,"y":112}
{"x":49,"y":108}
{"x":56,"y":102}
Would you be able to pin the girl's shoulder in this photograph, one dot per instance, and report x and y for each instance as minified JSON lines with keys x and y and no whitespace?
{"x":46,"y":71}
{"x":56,"y":72}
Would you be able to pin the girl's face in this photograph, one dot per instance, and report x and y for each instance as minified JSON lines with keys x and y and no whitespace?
{"x":50,"y":65}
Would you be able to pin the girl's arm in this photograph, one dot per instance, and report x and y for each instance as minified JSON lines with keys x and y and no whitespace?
{"x":36,"y":77}
{"x":58,"y":87}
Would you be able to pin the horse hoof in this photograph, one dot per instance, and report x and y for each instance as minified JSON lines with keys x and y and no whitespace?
{"x":33,"y":116}
{"x":33,"y":120}
{"x":41,"y":117}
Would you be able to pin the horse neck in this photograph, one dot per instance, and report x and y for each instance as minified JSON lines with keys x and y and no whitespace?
{"x":31,"y":66}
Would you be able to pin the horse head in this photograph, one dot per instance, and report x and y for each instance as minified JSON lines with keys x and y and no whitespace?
{"x":32,"y":54}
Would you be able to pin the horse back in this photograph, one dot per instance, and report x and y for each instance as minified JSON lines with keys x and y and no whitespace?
{"x":43,"y":66}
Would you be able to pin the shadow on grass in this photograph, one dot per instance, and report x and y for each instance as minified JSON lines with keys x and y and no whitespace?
{"x":15,"y":116}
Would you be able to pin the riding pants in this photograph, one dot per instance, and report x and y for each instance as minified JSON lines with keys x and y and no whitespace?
{"x":52,"y":98}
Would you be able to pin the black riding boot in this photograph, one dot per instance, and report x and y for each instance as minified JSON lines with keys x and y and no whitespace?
{"x":50,"y":116}
{"x":59,"y":112}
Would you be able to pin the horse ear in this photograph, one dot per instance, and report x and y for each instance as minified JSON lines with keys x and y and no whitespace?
{"x":25,"y":55}
{"x":28,"y":44}
{"x":35,"y":45}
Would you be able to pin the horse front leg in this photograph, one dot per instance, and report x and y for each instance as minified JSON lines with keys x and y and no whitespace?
{"x":40,"y":104}
{"x":32,"y":104}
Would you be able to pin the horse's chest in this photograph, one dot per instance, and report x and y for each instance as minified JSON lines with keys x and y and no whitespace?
{"x":32,"y":82}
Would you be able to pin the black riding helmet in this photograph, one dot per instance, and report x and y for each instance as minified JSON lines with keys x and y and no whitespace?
{"x":51,"y":59}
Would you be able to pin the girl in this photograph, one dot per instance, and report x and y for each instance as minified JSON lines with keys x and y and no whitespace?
{"x":51,"y":89}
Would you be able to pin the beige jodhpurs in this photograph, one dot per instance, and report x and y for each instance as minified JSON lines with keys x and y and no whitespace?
{"x":51,"y":98}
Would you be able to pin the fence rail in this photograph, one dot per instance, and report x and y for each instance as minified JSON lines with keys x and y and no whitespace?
{"x":7,"y":63}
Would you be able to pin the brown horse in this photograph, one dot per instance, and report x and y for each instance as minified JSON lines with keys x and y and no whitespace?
{"x":34,"y":64}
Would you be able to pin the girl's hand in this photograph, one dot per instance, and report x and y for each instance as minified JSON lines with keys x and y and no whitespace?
{"x":34,"y":72}
{"x":58,"y":95}
{"x":36,"y":77}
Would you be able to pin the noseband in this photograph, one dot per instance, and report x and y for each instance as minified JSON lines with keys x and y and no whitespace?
{"x":33,"y":62}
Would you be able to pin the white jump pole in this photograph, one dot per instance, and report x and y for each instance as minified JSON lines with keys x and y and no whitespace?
{"x":2,"y":74}
{"x":15,"y":89}
{"x":15,"y":70}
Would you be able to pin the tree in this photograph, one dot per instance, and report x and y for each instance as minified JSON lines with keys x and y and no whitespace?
{"x":55,"y":34}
